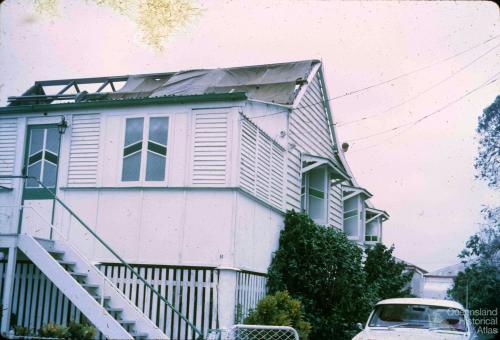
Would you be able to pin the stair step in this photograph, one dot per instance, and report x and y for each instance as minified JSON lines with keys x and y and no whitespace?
{"x":98,"y":297}
{"x":138,"y":334}
{"x":78,"y":274}
{"x":114,"y":310}
{"x":56,"y":252}
{"x":66,"y":263}
{"x":126,"y":322}
{"x":89,"y":285}
{"x":44,"y":241}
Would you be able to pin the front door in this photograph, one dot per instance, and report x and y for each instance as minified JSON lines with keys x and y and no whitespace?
{"x":41,"y":161}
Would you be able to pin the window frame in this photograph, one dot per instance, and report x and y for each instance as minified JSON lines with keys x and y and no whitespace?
{"x":305,"y":185}
{"x":144,"y":150}
{"x":359,"y":218}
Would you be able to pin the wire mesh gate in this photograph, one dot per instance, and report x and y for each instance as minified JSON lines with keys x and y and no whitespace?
{"x":254,"y":332}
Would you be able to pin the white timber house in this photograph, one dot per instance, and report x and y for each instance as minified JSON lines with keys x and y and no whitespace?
{"x":152,"y":204}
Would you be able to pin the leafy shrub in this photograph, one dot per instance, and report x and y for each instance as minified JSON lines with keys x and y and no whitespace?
{"x":52,"y":330}
{"x":280,"y":309}
{"x":385,"y":275}
{"x":322,"y":268}
{"x":80,"y":331}
{"x":21,"y":331}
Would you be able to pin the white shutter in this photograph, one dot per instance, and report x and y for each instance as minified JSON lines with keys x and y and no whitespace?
{"x":8,"y":141}
{"x":248,"y":149}
{"x":210,"y":148}
{"x":264,"y":150}
{"x":277,"y":175}
{"x":262,"y":164}
{"x":84,"y":152}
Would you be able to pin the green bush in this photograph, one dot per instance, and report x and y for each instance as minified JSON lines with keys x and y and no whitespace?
{"x":280,"y":309}
{"x":80,"y":331}
{"x":21,"y":331}
{"x":384,"y":275}
{"x":52,"y":330}
{"x":75,"y":330}
{"x":323,"y":269}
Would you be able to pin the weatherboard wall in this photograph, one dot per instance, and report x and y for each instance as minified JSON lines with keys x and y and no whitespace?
{"x":309,"y":133}
{"x":194,"y":217}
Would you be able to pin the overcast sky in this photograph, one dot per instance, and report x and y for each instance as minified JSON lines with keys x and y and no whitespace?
{"x":422,"y":175}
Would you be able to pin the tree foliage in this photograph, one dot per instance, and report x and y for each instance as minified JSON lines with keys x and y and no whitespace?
{"x":387,"y":277}
{"x":324,"y":270}
{"x":280,"y":309}
{"x":478,"y":285}
{"x":488,"y":158}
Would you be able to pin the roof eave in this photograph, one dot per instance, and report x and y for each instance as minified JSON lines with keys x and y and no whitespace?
{"x":125,"y":102}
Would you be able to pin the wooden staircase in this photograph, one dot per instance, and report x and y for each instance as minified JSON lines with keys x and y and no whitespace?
{"x":104,"y":305}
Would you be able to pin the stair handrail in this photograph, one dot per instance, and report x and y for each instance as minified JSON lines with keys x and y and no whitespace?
{"x":128,"y":266}
{"x":79,"y":252}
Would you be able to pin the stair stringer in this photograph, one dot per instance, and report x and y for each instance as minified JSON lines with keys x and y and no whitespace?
{"x":118,"y":300}
{"x":96,"y":313}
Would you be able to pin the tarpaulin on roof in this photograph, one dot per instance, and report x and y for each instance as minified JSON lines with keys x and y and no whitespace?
{"x":277,"y":83}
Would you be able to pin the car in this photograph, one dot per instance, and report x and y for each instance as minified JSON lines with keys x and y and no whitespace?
{"x":416,"y":318}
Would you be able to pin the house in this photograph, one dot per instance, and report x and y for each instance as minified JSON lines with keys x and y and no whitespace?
{"x":152,"y":203}
{"x":416,"y":284}
{"x":438,"y":282}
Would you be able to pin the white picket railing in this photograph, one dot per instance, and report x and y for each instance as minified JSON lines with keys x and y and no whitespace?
{"x":192,"y":291}
{"x":250,"y":289}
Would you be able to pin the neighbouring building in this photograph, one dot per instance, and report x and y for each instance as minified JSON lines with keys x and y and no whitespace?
{"x":171,"y":190}
{"x":417,"y":282}
{"x":438,"y":282}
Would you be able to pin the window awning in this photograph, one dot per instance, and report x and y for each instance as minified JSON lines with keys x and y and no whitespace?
{"x":310,"y":162}
{"x":351,"y":191}
{"x":376,"y":213}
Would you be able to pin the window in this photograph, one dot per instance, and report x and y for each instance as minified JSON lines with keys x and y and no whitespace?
{"x":372,"y":227}
{"x":145,"y":149}
{"x":43,"y":156}
{"x":314,"y":194}
{"x":352,"y":217}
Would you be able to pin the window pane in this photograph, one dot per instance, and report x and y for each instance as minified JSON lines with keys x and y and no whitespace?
{"x":133,"y":130}
{"x":52,"y":143}
{"x":155,"y":170}
{"x":158,"y":130}
{"x":316,"y":194}
{"x":49,"y":174}
{"x":351,"y":227}
{"x":36,"y":142}
{"x":317,"y":179}
{"x":34,"y":171}
{"x":131,"y":167}
{"x":316,"y":208}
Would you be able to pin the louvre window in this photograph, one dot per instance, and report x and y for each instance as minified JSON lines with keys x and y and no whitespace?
{"x":145,"y":149}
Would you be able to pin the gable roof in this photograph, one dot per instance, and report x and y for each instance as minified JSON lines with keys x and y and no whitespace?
{"x":272,"y":83}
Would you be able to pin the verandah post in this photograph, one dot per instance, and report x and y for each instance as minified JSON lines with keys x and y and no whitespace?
{"x":8,"y":289}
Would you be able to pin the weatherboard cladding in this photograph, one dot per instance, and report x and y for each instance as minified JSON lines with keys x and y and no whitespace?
{"x":309,"y":132}
{"x":8,"y":141}
{"x":84,"y":150}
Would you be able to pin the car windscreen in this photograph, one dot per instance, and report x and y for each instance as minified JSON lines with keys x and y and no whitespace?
{"x":418,"y":316}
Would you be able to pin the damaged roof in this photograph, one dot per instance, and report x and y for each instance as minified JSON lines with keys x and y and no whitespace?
{"x":272,"y":83}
